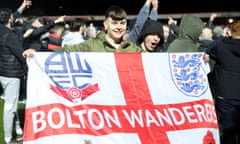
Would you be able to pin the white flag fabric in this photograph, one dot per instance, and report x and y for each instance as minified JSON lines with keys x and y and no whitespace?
{"x":119,"y":98}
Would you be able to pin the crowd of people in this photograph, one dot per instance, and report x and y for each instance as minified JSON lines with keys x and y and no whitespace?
{"x":221,"y":45}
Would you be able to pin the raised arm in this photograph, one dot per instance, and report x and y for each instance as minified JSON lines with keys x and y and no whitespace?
{"x":142,"y":16}
{"x":154,"y":12}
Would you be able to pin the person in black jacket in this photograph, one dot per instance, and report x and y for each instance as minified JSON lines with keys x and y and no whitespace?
{"x":36,"y":28}
{"x":170,"y":32}
{"x":226,"y":53}
{"x":205,"y":40}
{"x":12,"y":68}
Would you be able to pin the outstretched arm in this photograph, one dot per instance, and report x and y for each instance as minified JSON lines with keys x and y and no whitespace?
{"x":25,"y":4}
{"x":154,"y":12}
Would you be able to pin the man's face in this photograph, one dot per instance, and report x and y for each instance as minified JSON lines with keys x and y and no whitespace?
{"x":115,"y":28}
{"x":151,"y":41}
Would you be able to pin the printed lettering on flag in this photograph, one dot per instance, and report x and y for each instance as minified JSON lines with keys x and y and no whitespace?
{"x":119,"y":98}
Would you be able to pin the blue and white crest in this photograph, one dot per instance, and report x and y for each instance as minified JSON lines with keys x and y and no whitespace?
{"x":188,"y":74}
{"x":71,"y":75}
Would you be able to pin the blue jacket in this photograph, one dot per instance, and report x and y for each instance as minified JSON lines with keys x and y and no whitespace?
{"x":142,"y":17}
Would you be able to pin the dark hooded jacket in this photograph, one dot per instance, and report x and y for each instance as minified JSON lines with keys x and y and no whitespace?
{"x":189,"y":30}
{"x":150,"y":27}
{"x":226,"y":53}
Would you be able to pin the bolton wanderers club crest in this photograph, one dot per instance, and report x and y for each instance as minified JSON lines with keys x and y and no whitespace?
{"x":71,"y":75}
{"x":188,"y":74}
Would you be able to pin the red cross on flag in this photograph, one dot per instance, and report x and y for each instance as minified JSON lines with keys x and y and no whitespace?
{"x":119,"y":98}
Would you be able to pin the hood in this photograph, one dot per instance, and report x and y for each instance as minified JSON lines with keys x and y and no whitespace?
{"x":190,"y":27}
{"x":149,"y":27}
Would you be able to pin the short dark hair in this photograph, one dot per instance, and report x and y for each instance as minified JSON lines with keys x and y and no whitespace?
{"x":5,"y":15}
{"x":116,"y":13}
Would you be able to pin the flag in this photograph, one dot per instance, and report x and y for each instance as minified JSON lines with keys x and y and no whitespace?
{"x":119,"y":98}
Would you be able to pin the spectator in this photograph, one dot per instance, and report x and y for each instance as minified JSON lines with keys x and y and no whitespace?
{"x":226,"y":31}
{"x":75,"y":34}
{"x":38,"y":27}
{"x":12,"y":68}
{"x":205,"y":40}
{"x":115,"y":24}
{"x":53,"y":38}
{"x":217,"y":32}
{"x":226,"y":53}
{"x":142,"y":17}
{"x":190,"y":29}
{"x":211,"y":20}
{"x":151,"y":36}
{"x":91,"y":31}
{"x":25,"y":4}
{"x":19,"y":22}
{"x":170,"y":32}
{"x":147,"y":32}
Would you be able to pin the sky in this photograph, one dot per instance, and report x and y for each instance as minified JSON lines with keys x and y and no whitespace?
{"x":98,"y":7}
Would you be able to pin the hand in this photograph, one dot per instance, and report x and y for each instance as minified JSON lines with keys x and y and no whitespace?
{"x":28,"y":3}
{"x":213,"y":16}
{"x":28,"y":52}
{"x":171,"y":21}
{"x":155,"y":4}
{"x":25,"y":4}
{"x":206,"y":58}
{"x":60,"y":19}
{"x":148,"y":2}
